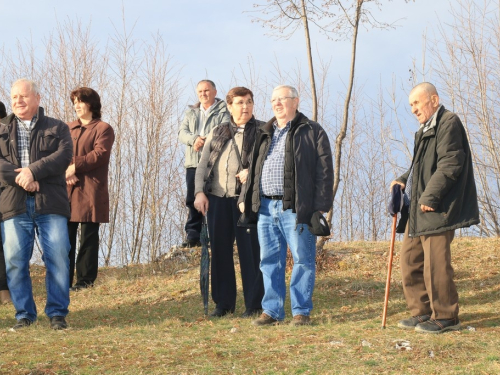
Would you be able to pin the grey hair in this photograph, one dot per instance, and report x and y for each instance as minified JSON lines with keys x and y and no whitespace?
{"x":33,"y":86}
{"x":207,"y":81}
{"x":293,"y":91}
{"x":429,"y":88}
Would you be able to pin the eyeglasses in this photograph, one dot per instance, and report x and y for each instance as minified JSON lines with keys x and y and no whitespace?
{"x":281,"y":99}
{"x":241,"y":104}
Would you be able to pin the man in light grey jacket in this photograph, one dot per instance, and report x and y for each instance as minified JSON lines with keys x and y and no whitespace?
{"x":199,"y":120}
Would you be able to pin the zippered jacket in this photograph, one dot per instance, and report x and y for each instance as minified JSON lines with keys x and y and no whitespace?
{"x":308,"y":177}
{"x":51,"y":150}
{"x":442,"y":179}
{"x":190,"y":128}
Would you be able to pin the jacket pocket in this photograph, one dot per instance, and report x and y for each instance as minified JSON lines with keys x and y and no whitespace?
{"x":4,"y":144}
{"x":49,"y":141}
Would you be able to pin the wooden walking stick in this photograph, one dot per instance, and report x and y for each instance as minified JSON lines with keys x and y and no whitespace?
{"x":389,"y":269}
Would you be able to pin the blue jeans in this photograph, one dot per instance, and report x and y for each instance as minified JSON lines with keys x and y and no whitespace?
{"x":277,"y":228}
{"x":18,"y":235}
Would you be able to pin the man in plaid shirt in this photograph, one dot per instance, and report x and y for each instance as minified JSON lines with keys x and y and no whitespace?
{"x":290,"y":180}
{"x":35,"y":151}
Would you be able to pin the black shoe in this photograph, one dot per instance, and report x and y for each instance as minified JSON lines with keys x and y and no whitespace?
{"x":190,"y":243}
{"x":22,"y":323}
{"x":412,"y":322}
{"x":249,"y":313}
{"x":80,"y":286}
{"x":438,"y":326}
{"x":58,"y":322}
{"x":221,"y":312}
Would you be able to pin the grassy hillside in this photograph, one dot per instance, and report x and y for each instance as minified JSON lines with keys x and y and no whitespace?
{"x":149,"y":320}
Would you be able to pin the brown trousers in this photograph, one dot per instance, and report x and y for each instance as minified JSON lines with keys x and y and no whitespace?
{"x":427,"y":275}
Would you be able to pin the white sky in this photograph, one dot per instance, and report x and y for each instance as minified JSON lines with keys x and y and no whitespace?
{"x":211,"y":39}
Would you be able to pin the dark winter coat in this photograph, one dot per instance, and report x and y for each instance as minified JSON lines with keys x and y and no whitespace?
{"x":51,"y":150}
{"x":308,"y":177}
{"x":221,"y":135}
{"x":442,"y":178}
{"x":89,"y":197}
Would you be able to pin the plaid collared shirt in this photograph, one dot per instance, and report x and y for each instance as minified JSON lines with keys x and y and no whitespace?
{"x":273,"y":172}
{"x":23,"y":140}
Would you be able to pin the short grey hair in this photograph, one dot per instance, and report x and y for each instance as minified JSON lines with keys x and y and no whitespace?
{"x":293,"y":91}
{"x":33,"y":86}
{"x":207,"y":81}
{"x":429,"y":88}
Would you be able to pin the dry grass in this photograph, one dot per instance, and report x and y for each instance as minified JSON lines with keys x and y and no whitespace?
{"x":148,"y":320}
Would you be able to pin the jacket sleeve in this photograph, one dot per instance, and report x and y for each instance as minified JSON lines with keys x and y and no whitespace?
{"x":7,"y":174}
{"x":186,"y":134}
{"x":99,"y":155}
{"x":450,"y":162}
{"x":404,"y":177}
{"x":57,"y":162}
{"x":323,"y":197}
{"x":201,"y":169}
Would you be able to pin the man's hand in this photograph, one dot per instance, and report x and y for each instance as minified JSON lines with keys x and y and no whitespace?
{"x":32,"y":187}
{"x":241,"y":206}
{"x":198,"y":143}
{"x":70,"y":172}
{"x":397,"y":182}
{"x":24,"y":178}
{"x":425,"y":208}
{"x":201,"y":203}
{"x":243,"y":175}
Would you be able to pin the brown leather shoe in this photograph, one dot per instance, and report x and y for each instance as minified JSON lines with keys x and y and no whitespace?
{"x":300,"y":320}
{"x":265,"y":320}
{"x":5,"y":297}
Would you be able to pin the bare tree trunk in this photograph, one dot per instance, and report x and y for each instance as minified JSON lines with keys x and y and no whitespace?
{"x":345,"y":120}
{"x":314,"y":97}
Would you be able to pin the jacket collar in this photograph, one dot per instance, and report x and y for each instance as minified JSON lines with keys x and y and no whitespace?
{"x":217,"y":103}
{"x":78,"y":123}
{"x":429,"y":129}
{"x":299,"y":119}
{"x":7,"y":120}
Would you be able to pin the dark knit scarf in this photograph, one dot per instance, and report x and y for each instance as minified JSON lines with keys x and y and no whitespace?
{"x":222,"y":134}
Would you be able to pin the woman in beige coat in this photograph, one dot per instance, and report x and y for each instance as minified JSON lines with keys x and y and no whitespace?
{"x":87,"y":182}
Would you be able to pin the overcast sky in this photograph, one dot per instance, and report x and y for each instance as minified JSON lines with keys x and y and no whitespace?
{"x":214,"y":38}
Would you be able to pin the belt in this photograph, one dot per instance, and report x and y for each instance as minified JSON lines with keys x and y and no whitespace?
{"x":273,"y":197}
{"x":30,"y":193}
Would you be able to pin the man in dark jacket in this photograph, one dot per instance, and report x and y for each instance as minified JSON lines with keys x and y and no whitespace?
{"x":35,"y":151}
{"x":442,"y":196}
{"x":290,"y":178}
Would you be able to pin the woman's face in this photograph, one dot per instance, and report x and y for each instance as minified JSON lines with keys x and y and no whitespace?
{"x":241,"y":109}
{"x":82,"y":110}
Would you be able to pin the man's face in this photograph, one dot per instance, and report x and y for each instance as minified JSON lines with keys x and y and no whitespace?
{"x":24,"y":101}
{"x":284,"y":107}
{"x":423,"y":105}
{"x":206,"y":94}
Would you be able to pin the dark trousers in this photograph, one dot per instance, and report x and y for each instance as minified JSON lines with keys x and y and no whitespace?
{"x":3,"y":271}
{"x":87,"y":261}
{"x":222,"y":218}
{"x":193,"y":223}
{"x":427,"y":275}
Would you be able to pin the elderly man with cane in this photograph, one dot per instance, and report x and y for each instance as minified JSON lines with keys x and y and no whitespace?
{"x":442,"y":197}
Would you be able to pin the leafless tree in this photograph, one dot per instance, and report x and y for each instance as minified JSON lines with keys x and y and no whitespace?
{"x":466,"y":55}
